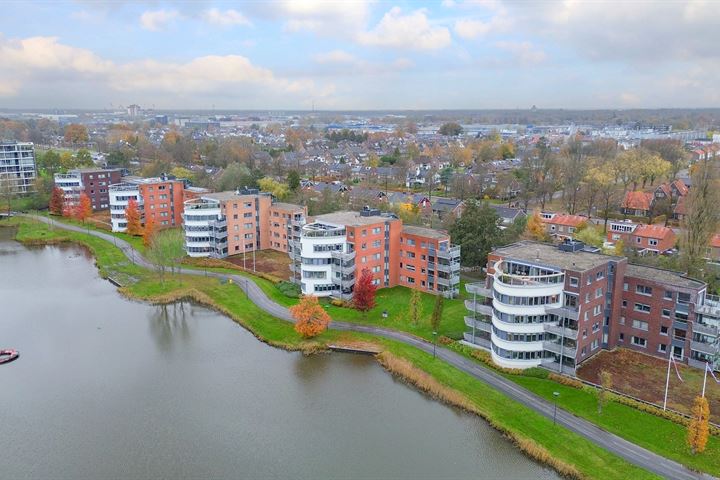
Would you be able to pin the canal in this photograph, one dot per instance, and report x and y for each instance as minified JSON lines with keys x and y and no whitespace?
{"x":110,"y":388}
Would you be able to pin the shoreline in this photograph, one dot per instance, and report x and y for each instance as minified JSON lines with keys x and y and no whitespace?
{"x":421,"y":369}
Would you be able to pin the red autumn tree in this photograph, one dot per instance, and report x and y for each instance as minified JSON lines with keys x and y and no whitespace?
{"x":311,"y":319}
{"x":364,"y":292}
{"x":83,"y":209}
{"x":132,"y":215}
{"x":149,"y":230}
{"x":57,"y":201}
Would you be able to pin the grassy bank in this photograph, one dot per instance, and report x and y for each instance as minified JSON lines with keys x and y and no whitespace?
{"x":525,"y":427}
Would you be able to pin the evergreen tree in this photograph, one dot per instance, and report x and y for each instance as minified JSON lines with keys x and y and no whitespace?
{"x":477,"y":232}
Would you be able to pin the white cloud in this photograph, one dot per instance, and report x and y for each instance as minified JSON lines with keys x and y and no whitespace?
{"x":323,"y":17}
{"x":156,"y":20}
{"x":412,"y":31}
{"x":45,"y":61}
{"x":225,"y":18}
{"x":524,"y":52}
{"x":334,"y":56}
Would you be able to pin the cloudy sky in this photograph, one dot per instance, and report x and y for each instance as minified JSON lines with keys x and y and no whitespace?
{"x":357,"y":54}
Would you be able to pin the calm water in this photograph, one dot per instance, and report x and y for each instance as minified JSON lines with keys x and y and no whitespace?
{"x":109,"y":388}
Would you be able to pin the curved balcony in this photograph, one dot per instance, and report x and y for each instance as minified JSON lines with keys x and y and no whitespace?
{"x":507,"y":279}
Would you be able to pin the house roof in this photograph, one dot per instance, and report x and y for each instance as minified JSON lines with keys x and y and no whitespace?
{"x":660,"y":275}
{"x":681,"y":187}
{"x":653,"y":231}
{"x":638,"y":200}
{"x":425,"y":232}
{"x":715,"y":241}
{"x":442,"y":204}
{"x":681,"y":206}
{"x":507,"y":213}
{"x":567,"y":220}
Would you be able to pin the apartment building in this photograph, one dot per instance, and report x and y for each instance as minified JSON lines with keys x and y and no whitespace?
{"x":334,"y":248}
{"x":160,"y":198}
{"x":230,"y":223}
{"x":94,"y":182}
{"x":557,"y":306}
{"x":17,"y":167}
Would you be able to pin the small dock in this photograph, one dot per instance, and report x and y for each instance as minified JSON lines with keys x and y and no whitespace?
{"x":357,"y":348}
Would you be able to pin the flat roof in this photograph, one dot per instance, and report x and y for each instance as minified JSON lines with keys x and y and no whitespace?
{"x":659,"y":275}
{"x":287,"y":206}
{"x":425,"y":232}
{"x":351,"y":219}
{"x":551,"y":256}
{"x":225,"y":196}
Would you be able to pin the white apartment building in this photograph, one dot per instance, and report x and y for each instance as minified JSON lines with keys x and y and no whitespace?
{"x":17,"y":166}
{"x":321,"y":243}
{"x":205,"y":228}
{"x":120,"y":196}
{"x":71,"y":185}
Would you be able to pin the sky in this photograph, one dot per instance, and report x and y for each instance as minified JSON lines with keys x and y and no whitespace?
{"x":360,"y":54}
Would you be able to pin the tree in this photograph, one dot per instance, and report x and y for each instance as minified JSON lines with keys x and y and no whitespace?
{"x":117,"y":158}
{"x":450,"y":129}
{"x":57,"y":201}
{"x":590,"y":236}
{"x":149,"y":230}
{"x":699,"y":426}
{"x":49,"y":162}
{"x":415,"y":306}
{"x":277,"y":189}
{"x":83,"y":158}
{"x":603,"y":392}
{"x":132,"y":216}
{"x":364,"y":292}
{"x":535,"y":228}
{"x":235,"y":175}
{"x":167,"y":248}
{"x":293,"y":180}
{"x":436,"y":316}
{"x":84,"y":208}
{"x":703,"y":215}
{"x":76,"y":133}
{"x":476,"y":231}
{"x":311,"y":319}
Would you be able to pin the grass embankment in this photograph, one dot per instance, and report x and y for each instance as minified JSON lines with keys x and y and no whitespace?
{"x":529,"y":430}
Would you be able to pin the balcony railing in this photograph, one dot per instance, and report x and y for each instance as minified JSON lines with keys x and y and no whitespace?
{"x":447,"y":268}
{"x":705,"y":329}
{"x":479,"y":341}
{"x":708,"y":348}
{"x":555,"y":347}
{"x":478,"y":307}
{"x":565,"y":312}
{"x":451,"y":281}
{"x":560,"y":331}
{"x":479,"y":324}
{"x":452,"y":252}
{"x":343,"y":256}
{"x":478,"y":289}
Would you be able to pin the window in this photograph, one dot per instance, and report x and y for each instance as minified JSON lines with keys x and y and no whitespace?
{"x":638,"y":341}
{"x":665,"y":312}
{"x":653,"y":242}
{"x":411,"y":254}
{"x":662,"y":348}
{"x":574,"y":282}
{"x":638,"y":239}
{"x":376,"y":269}
{"x":589,"y":280}
{"x":622,"y":320}
{"x":247,"y":215}
{"x":641,"y":307}
{"x":625,"y":287}
{"x":586,"y":315}
{"x":376,"y":243}
{"x":624,"y":303}
{"x":643,"y":290}
{"x":587,"y":298}
{"x":598,"y":293}
{"x":376,"y":230}
{"x":423,"y":245}
{"x":640,"y":325}
{"x":363,"y":246}
{"x":247,"y":205}
{"x":411,"y":242}
{"x":376,"y":256}
{"x":597,"y":310}
{"x":584,"y":332}
{"x":363,"y":233}
{"x":596,"y":327}
{"x":621,"y":338}
{"x":663,"y":330}
{"x":595,"y":344}
{"x":668,"y":295}
{"x":411,"y":280}
{"x":599,"y":275}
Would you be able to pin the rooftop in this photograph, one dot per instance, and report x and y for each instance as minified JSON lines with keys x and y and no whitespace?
{"x":653,"y":231}
{"x":663,"y":276}
{"x":351,"y":219}
{"x":287,"y":206}
{"x":225,"y":196}
{"x":425,"y":232}
{"x":551,"y":256}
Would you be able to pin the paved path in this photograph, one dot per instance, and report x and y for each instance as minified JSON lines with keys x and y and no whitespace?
{"x":629,"y":451}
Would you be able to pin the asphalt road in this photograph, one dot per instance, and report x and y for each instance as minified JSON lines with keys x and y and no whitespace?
{"x":629,"y":451}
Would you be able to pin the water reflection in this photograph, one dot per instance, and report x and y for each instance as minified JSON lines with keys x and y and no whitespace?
{"x":169,"y":325}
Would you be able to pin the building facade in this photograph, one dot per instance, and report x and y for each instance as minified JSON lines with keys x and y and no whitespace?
{"x":557,"y":306}
{"x":17,"y":167}
{"x":230,"y":223}
{"x":333,"y":249}
{"x":94,"y":182}
{"x":159,"y":198}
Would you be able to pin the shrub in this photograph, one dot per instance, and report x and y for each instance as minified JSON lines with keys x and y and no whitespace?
{"x":567,"y":381}
{"x":289,"y":289}
{"x":337,"y":302}
{"x":443,"y":340}
{"x":536,"y":372}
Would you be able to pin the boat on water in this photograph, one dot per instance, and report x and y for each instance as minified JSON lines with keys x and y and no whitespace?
{"x":8,"y":355}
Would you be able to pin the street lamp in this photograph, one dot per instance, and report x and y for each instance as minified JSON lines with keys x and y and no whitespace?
{"x":555,"y":397}
{"x":434,"y":342}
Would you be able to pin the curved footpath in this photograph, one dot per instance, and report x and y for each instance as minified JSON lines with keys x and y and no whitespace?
{"x":609,"y":441}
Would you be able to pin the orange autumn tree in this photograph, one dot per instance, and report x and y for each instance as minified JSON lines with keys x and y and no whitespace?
{"x":149,"y":230}
{"x":83,"y":209}
{"x":364,"y":292}
{"x":311,"y":319}
{"x":535,"y":228}
{"x":57,"y":201}
{"x":132,"y":215}
{"x":699,"y":426}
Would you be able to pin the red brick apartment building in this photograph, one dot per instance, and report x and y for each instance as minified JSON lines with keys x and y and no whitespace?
{"x":94,"y":182}
{"x":557,"y":306}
